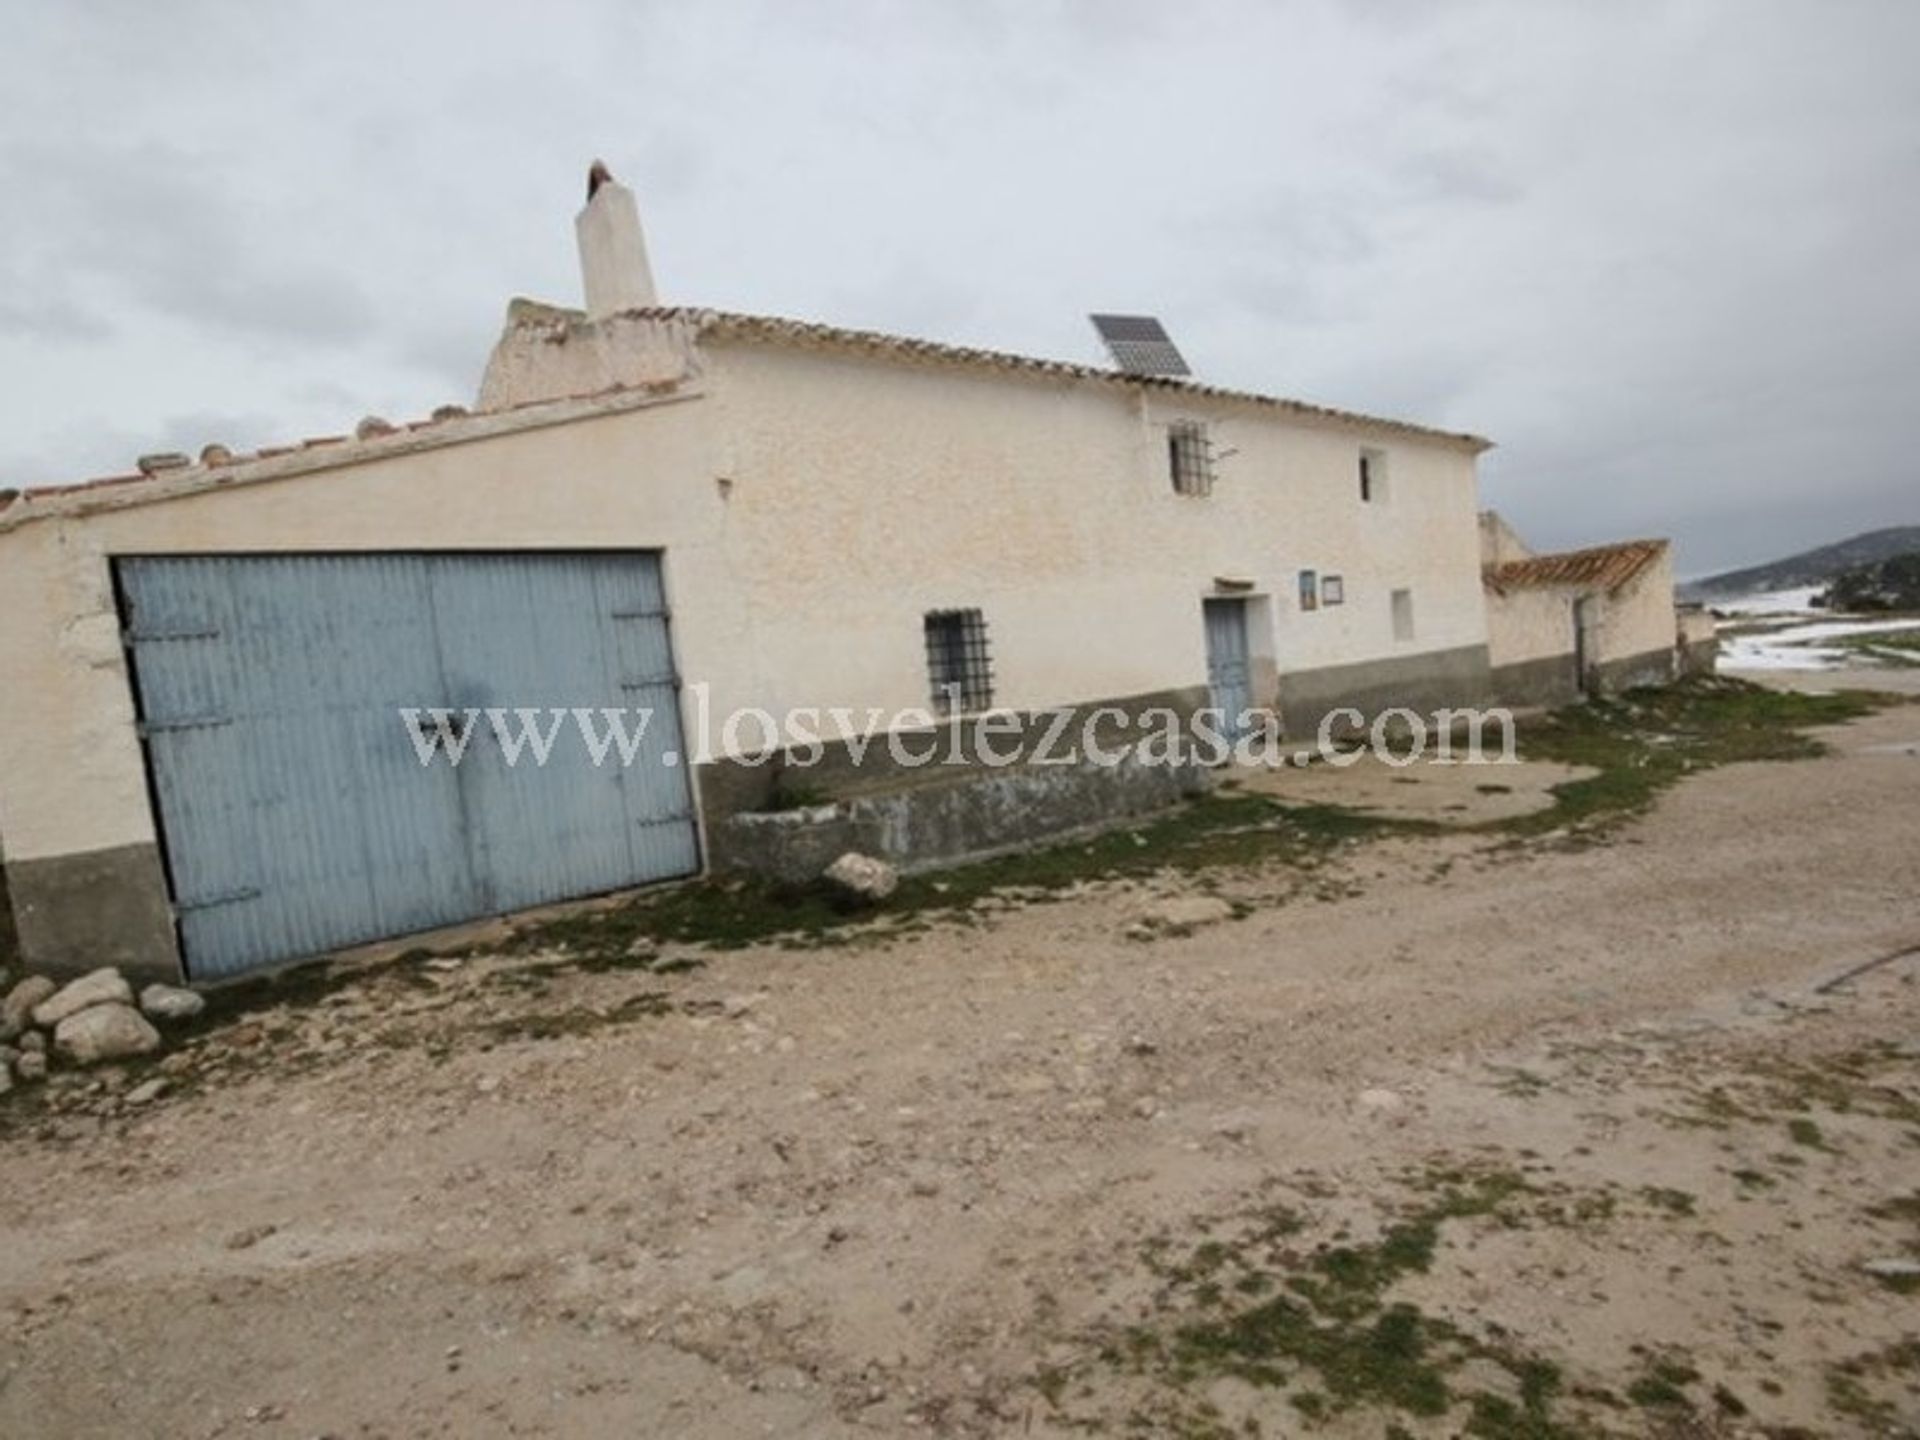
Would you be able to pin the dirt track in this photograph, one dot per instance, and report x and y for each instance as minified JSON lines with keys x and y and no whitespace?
{"x":867,"y":1190}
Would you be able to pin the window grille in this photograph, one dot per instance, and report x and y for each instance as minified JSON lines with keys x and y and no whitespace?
{"x":1190,"y":458}
{"x":957,"y":661}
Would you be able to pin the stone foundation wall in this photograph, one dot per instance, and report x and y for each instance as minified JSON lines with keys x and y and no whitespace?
{"x":109,"y":907}
{"x":1542,"y":684}
{"x":960,"y":817}
{"x":1631,"y":672}
{"x":846,"y":769}
{"x":1436,"y":679}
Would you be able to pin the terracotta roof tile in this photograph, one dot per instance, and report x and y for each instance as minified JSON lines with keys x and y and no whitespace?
{"x":773,"y":329}
{"x":1606,"y":566}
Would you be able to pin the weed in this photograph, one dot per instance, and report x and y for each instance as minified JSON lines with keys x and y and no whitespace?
{"x":1803,"y":1131}
{"x":1699,"y":724}
{"x":1674,"y":1202}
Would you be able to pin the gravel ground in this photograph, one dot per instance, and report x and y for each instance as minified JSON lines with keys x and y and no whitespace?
{"x":933,"y":1184}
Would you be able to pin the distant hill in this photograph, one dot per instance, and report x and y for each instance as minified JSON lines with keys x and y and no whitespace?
{"x":1884,"y":585}
{"x":1812,"y":567}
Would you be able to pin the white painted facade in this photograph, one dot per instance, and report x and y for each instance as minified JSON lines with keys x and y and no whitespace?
{"x":812,"y":504}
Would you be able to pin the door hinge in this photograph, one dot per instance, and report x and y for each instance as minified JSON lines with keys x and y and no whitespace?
{"x":196,"y":722}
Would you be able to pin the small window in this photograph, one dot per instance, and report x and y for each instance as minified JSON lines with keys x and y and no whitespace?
{"x":957,"y":661}
{"x":1333,"y":590}
{"x":1309,"y":590}
{"x":1403,"y":615}
{"x":1373,"y":477}
{"x":1190,"y":458}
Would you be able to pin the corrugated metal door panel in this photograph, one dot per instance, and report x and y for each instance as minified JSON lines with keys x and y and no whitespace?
{"x":297,"y":815}
{"x":543,"y":634}
{"x":656,"y":787}
{"x":1228,"y":676}
{"x":294,"y":823}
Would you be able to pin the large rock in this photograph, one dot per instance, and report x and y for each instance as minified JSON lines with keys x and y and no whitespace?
{"x":105,"y":1032}
{"x":862,"y":877}
{"x":102,"y":987}
{"x":171,"y":1002}
{"x":17,"y":1009}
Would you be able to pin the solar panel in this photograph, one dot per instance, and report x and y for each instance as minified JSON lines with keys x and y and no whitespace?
{"x":1139,"y":345}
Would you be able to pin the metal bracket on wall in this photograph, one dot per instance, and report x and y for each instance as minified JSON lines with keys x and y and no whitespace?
{"x":197,"y":722}
{"x":213,"y":902}
{"x":155,"y":637}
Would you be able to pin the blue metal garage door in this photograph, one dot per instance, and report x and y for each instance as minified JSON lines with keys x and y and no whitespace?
{"x":297,"y":813}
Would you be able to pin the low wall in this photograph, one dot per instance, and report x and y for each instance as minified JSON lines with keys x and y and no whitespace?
{"x":887,"y":761}
{"x":1433,"y":680}
{"x":75,"y":913}
{"x":968,"y":816}
{"x":1631,"y":672}
{"x":9,"y":940}
{"x":1542,"y":684}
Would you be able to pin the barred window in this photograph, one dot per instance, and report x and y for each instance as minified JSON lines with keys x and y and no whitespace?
{"x":1190,"y":458}
{"x":1373,"y":477}
{"x":957,"y":661}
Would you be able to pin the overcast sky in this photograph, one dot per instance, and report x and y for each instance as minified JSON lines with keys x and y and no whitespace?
{"x":1666,"y":254}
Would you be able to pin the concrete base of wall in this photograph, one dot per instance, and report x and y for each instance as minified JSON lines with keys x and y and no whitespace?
{"x":9,"y":940}
{"x":842,"y":770}
{"x":1700,"y":658}
{"x":109,"y":907}
{"x":1631,"y":672}
{"x":1537,"y":684}
{"x":961,"y":817}
{"x":1425,"y":682}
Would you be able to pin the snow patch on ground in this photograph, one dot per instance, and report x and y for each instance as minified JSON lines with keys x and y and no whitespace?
{"x":1797,"y":647}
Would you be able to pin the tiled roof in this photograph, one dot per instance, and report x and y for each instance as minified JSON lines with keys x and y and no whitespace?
{"x":450,"y":425}
{"x":455,"y":423}
{"x":771,"y":329}
{"x":1607,"y":567}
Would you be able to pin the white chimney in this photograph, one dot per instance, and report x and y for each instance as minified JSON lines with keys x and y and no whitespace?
{"x":613,"y":253}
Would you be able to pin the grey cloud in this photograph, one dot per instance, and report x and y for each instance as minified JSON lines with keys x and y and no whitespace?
{"x":1663,"y":254}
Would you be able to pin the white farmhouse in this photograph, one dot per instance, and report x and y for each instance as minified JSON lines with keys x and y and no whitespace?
{"x":204,"y":765}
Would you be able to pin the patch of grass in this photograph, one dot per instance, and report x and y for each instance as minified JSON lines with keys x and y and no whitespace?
{"x":1674,"y":1202}
{"x":1208,"y":832}
{"x":1647,"y":740}
{"x":580,"y":1020}
{"x":1803,"y":1131}
{"x":1663,"y":1386}
{"x":1322,"y":1325}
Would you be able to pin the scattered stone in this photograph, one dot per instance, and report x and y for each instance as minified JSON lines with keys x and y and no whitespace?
{"x":449,"y":412}
{"x":251,"y":1236}
{"x":171,"y":1002}
{"x":34,"y":1042}
{"x":1384,"y":1100}
{"x":17,"y":1009}
{"x":863,"y":877}
{"x":1893,"y":1269}
{"x":105,"y":1032}
{"x":102,"y":987}
{"x":147,"y":1091}
{"x":162,"y":460}
{"x":215,"y":454}
{"x":31,"y":1067}
{"x":1183,"y":914}
{"x":371,"y":426}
